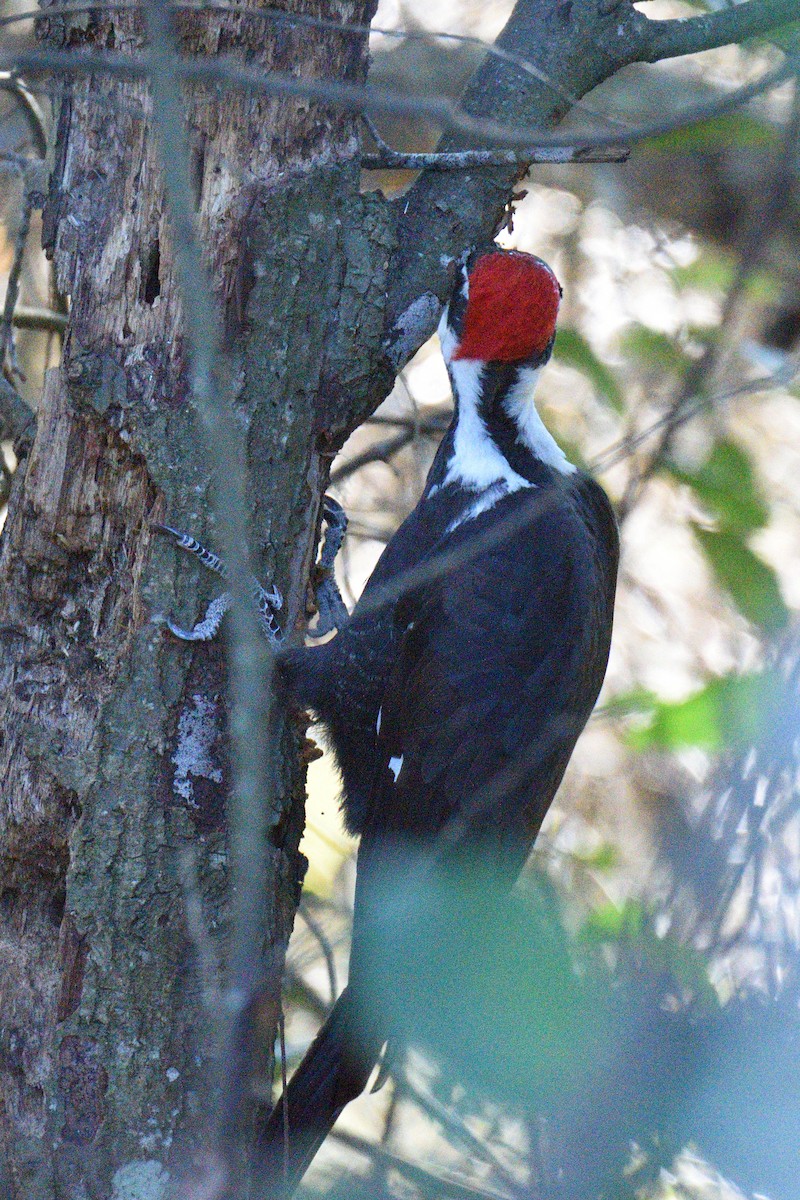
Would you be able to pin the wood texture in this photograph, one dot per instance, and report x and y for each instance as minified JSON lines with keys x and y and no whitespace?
{"x":113,"y":747}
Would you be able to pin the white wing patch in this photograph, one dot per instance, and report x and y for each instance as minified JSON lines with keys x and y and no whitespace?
{"x":396,"y":766}
{"x":486,"y":500}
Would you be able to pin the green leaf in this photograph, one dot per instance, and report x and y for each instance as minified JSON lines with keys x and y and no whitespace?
{"x":714,"y":271}
{"x":729,"y":712}
{"x":573,"y":350}
{"x":654,"y":350}
{"x":711,"y":271}
{"x":726,"y":485}
{"x":612,"y":922}
{"x":604,"y":858}
{"x":729,"y":130}
{"x":752,"y":585}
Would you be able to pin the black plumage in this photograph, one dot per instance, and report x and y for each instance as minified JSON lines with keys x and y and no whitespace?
{"x":457,"y":690}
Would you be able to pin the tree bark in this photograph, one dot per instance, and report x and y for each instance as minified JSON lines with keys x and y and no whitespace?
{"x":113,"y":753}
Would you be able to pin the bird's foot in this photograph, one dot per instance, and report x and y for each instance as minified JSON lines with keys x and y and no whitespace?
{"x":266,"y":600}
{"x":331,"y":608}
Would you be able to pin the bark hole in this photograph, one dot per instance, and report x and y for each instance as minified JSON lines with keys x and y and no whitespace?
{"x":151,"y":274}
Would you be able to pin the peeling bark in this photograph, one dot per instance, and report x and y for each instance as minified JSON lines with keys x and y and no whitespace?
{"x":112,"y":754}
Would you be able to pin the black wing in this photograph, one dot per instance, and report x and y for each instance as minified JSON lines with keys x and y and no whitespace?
{"x":500,"y":662}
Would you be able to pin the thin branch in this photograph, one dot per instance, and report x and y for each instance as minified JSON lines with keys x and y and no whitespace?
{"x":346,"y":28}
{"x":453,"y":1124}
{"x":11,"y":82}
{"x":12,"y":287}
{"x":376,"y":453}
{"x":768,"y":215}
{"x":31,"y":317}
{"x":229,"y":72}
{"x":676,"y":38}
{"x":622,"y":449}
{"x":293,"y":982}
{"x":318,"y":933}
{"x":656,"y":39}
{"x":422,"y":1176}
{"x":388,"y":158}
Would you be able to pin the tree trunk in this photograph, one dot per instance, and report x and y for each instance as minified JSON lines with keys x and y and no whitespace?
{"x":113,"y":748}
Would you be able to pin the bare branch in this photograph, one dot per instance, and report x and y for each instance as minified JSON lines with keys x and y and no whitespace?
{"x":30,"y":317}
{"x":376,"y":453}
{"x":676,"y":38}
{"x":11,"y":82}
{"x":444,"y":1185}
{"x":12,"y":287}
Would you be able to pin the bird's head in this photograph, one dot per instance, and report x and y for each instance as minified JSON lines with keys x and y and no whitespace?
{"x":504,"y":311}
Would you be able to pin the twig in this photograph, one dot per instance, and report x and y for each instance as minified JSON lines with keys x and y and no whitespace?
{"x":463,"y":160}
{"x":30,"y":317}
{"x":316,"y":930}
{"x":294,"y":982}
{"x":388,"y":158}
{"x":623,"y":449}
{"x":377,"y":453}
{"x":421,"y":1176}
{"x":766,"y":216}
{"x":451,"y":1122}
{"x":693,"y":36}
{"x":17,"y":419}
{"x":284,"y":1096}
{"x":12,"y":288}
{"x":11,"y":82}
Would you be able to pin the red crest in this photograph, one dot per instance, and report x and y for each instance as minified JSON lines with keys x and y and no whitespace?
{"x":511,"y":310}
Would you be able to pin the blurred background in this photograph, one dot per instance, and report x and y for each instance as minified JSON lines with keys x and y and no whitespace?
{"x":669,"y":864}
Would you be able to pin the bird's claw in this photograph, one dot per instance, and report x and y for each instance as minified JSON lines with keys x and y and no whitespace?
{"x":331,"y":608}
{"x":267,"y":600}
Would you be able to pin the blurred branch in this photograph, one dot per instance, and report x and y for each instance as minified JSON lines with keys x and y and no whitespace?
{"x":453,"y":1124}
{"x":777,"y":194}
{"x":7,"y":348}
{"x":379,"y":452}
{"x":11,"y":82}
{"x":17,"y":419}
{"x":308,"y":995}
{"x":626,"y":446}
{"x":229,"y":72}
{"x":250,"y":664}
{"x":318,"y":933}
{"x":424,"y":1178}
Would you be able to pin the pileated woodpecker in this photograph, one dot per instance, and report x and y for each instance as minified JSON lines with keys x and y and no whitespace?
{"x":455,"y":693}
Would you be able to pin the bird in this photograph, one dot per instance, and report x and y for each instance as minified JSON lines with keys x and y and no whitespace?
{"x":455,"y":692}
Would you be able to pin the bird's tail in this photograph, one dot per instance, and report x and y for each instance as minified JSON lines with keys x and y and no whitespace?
{"x":335,"y":1070}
